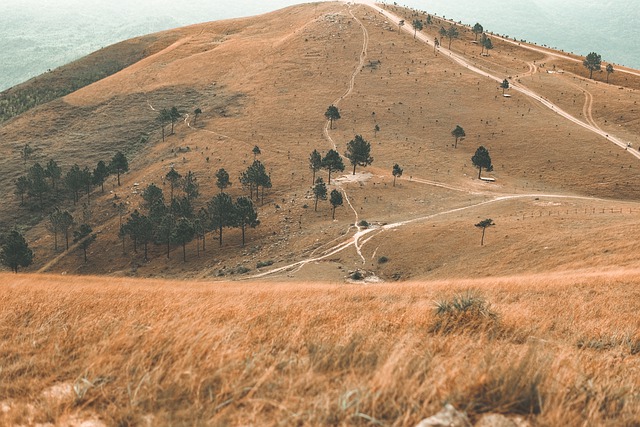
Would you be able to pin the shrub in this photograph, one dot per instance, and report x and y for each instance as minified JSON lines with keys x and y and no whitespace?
{"x":356,"y":275}
{"x":363,"y":224}
{"x":383,"y":259}
{"x":468,"y":312}
{"x":261,"y":264}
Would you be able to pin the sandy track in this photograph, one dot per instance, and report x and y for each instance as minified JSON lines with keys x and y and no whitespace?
{"x":459,"y":59}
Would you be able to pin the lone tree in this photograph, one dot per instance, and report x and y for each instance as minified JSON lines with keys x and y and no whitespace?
{"x":119,"y":164}
{"x":245,"y":215}
{"x":315,"y":164}
{"x":477,"y":30}
{"x":336,"y":200}
{"x":319,"y":191}
{"x":504,"y":85}
{"x":484,"y":224}
{"x":222,"y":179}
{"x":417,"y":26}
{"x":15,"y":252}
{"x":397,"y":171}
{"x":610,"y":70}
{"x":358,"y":152}
{"x":486,"y":44}
{"x":196,"y":113}
{"x":84,"y":237}
{"x":458,"y":133}
{"x":452,"y":33}
{"x":332,"y":114}
{"x":481,"y":159}
{"x":592,"y":63}
{"x":332,"y":162}
{"x":256,"y":152}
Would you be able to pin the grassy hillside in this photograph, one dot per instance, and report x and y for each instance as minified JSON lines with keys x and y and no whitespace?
{"x":267,"y":81}
{"x":557,"y":349}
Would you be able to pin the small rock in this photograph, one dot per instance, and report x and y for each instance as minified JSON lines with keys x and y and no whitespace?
{"x":498,"y":420}
{"x":448,"y":417}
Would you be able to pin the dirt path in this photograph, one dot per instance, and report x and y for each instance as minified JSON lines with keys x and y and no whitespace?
{"x":459,"y":59}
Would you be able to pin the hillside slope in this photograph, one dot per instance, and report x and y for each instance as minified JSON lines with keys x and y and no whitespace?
{"x":268,"y":80}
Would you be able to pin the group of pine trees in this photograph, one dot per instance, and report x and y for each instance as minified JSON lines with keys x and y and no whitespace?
{"x":47,"y":185}
{"x":175,"y":221}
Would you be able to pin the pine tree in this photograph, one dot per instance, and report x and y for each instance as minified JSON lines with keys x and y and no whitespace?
{"x":119,"y":164}
{"x":245,"y":215}
{"x":359,"y":152}
{"x":15,"y":252}
{"x":332,"y":162}
{"x":336,"y":200}
{"x":319,"y":192}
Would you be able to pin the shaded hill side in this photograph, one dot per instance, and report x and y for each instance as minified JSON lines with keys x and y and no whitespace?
{"x":78,"y":74}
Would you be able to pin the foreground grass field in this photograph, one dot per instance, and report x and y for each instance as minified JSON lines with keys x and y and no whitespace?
{"x":560,"y":349}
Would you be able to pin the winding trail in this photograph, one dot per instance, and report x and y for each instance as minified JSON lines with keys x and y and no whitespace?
{"x":459,"y":59}
{"x":363,"y":236}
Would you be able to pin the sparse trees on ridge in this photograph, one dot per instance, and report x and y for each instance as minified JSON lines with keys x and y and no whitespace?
{"x":358,"y":152}
{"x":477,"y":30}
{"x":458,"y":132}
{"x":452,"y":33}
{"x":332,"y":114}
{"x":610,"y":70}
{"x":14,"y":251}
{"x":592,"y":62}
{"x":504,"y":85}
{"x":485,"y":43}
{"x":417,"y":26}
{"x":396,"y":172}
{"x":484,"y":224}
{"x":481,"y":159}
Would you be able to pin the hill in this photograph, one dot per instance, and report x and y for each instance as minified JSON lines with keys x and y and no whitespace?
{"x":267,"y":81}
{"x":535,"y":322}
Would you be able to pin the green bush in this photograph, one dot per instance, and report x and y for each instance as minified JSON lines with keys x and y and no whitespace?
{"x":468,"y":312}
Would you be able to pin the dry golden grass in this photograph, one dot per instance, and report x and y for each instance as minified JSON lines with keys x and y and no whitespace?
{"x":129,"y":352}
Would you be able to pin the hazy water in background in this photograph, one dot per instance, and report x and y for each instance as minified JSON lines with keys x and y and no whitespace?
{"x":607,"y":27}
{"x":36,"y":35}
